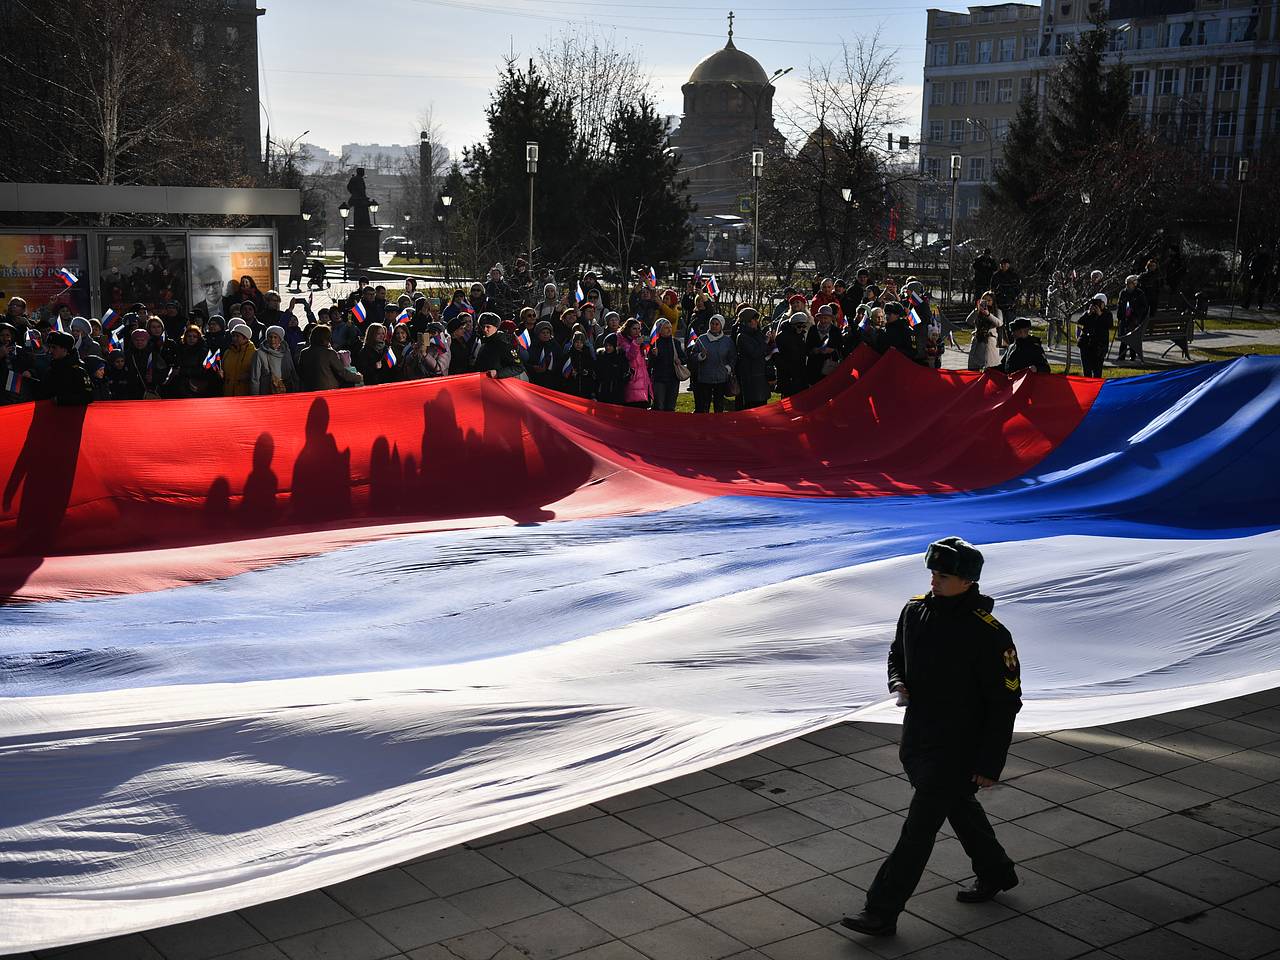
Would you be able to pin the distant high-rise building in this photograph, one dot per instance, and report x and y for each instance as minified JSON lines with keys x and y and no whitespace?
{"x":224,"y":43}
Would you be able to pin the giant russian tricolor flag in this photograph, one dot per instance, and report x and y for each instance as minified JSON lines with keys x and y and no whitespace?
{"x":239,"y":670}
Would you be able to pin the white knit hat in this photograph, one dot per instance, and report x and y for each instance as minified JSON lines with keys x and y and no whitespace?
{"x":241,"y":328}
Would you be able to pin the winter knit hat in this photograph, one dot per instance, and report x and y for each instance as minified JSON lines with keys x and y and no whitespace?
{"x":543,"y":325}
{"x":278,"y":331}
{"x":241,"y":328}
{"x":1100,"y":298}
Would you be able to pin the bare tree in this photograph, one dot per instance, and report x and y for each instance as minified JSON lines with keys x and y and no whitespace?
{"x":587,"y":69}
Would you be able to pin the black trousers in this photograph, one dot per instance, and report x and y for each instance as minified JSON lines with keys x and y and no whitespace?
{"x":898,"y":875}
{"x":705,"y":395}
{"x":1091,"y":360}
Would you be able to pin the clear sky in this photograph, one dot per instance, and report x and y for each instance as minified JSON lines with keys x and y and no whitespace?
{"x":365,"y":72}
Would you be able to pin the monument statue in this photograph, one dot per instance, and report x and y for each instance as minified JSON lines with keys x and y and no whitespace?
{"x":359,"y":201}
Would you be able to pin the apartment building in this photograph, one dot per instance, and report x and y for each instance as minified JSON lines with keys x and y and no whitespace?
{"x":1206,"y":73}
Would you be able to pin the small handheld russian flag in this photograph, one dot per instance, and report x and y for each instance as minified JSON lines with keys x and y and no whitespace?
{"x":67,"y":277}
{"x":524,"y":338}
{"x":653,"y":278}
{"x":914,"y":316}
{"x":697,"y":275}
{"x":578,"y":295}
{"x":359,"y":312}
{"x":13,"y":381}
{"x":653,"y":334}
{"x":115,"y":341}
{"x":213,"y":360}
{"x":567,"y":369}
{"x":391,"y":356}
{"x":404,"y":314}
{"x":713,"y":288}
{"x":438,"y":340}
{"x":693,"y":338}
{"x":109,"y":318}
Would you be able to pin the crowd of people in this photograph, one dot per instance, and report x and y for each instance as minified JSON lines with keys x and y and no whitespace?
{"x":572,"y":339}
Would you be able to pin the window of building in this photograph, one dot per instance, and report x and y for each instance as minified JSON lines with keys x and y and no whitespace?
{"x":1004,"y":90}
{"x":979,"y":130}
{"x":1221,"y":168}
{"x":935,"y":131}
{"x":1197,"y":79}
{"x":943,"y":18}
{"x":1147,"y":38}
{"x":1066,"y":9}
{"x":959,"y":92}
{"x":1024,"y":86}
{"x":1224,"y":123}
{"x":233,"y":37}
{"x":937,"y":54}
{"x":995,"y":167}
{"x":982,"y":91}
{"x":1009,"y":14}
{"x":1138,"y":83}
{"x":1120,"y":41}
{"x":1241,"y":29}
{"x":1029,"y":44}
{"x":1167,"y":82}
{"x":986,"y":16}
{"x":1180,"y":34}
{"x":1207,"y":32}
{"x":962,"y":52}
{"x":1000,"y":130}
{"x":933,"y":168}
{"x":1060,"y":43}
{"x":984,"y":51}
{"x":1228,"y":77}
{"x":1193,"y":127}
{"x":1008,"y":48}
{"x":957,"y":131}
{"x":931,"y":207}
{"x":977,"y":168}
{"x":936,"y":93}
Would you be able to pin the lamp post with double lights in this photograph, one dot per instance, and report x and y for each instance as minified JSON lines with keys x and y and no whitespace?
{"x":531,"y":167}
{"x":956,"y":161}
{"x":757,"y":169}
{"x":344,"y":211}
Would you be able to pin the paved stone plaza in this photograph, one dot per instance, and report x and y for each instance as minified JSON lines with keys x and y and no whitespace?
{"x":1155,"y":838}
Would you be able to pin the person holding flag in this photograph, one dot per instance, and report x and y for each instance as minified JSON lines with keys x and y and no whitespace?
{"x":578,"y":368}
{"x":197,"y":367}
{"x":638,"y":389}
{"x":544,"y":357}
{"x":12,"y":364}
{"x":717,"y":357}
{"x":667,"y":366}
{"x":752,"y":366}
{"x":273,"y":370}
{"x":371,"y":361}
{"x":822,"y":344}
{"x":497,"y":355}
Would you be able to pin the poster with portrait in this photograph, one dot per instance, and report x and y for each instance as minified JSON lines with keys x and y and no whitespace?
{"x":137,"y":268}
{"x":32,"y":265}
{"x":221,"y":259}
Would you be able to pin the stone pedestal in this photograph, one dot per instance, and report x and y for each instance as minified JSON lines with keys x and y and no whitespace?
{"x":362,"y":248}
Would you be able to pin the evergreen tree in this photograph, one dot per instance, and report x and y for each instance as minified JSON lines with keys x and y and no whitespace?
{"x":640,"y":204}
{"x":1020,"y":179}
{"x":1087,"y":100}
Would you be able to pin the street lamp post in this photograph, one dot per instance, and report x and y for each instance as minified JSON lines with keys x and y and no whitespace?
{"x":531,"y":166}
{"x":846,"y":194}
{"x":445,"y":202}
{"x":344,"y":211}
{"x":757,"y":168}
{"x":1242,"y":174}
{"x":951,"y":248}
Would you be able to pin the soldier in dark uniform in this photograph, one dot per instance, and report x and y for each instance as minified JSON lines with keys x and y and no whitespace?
{"x":1024,"y":351}
{"x":956,"y":668}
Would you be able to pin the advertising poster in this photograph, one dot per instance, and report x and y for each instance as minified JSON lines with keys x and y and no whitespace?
{"x":220,"y":259}
{"x":31,"y":265}
{"x":136,"y":267}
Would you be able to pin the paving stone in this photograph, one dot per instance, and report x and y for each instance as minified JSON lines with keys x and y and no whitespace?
{"x":1203,"y":878}
{"x":421,"y":923}
{"x":481,"y":945}
{"x":630,"y":911}
{"x":1056,"y":786}
{"x":892,"y":793}
{"x":131,"y":947}
{"x":1105,"y":772}
{"x":690,"y":783}
{"x":502,"y":836}
{"x":1133,"y":852}
{"x":913,"y":935}
{"x":580,"y":880}
{"x":1092,"y":920}
{"x":838,"y":809}
{"x":1145,"y":728}
{"x":796,"y":753}
{"x":846,"y":739}
{"x":941,"y":907}
{"x":770,"y":869}
{"x":1261,"y":905}
{"x":1163,"y":944}
{"x":729,"y":801}
{"x":664,"y":819}
{"x":1239,"y":818}
{"x":1067,"y":826}
{"x":1238,"y":733}
{"x":715,"y":843}
{"x":949,"y":859}
{"x":841,"y":772}
{"x":1256,"y":763}
{"x":548,"y":936}
{"x":208,"y":937}
{"x":1005,"y":802}
{"x":444,"y":876}
{"x":1024,"y":844}
{"x":352,"y":940}
{"x":824,"y":900}
{"x":1235,"y":707}
{"x":1185,"y":833}
{"x":1035,"y":890}
{"x":502,"y":902}
{"x":1234,"y":935}
{"x":703,"y":889}
{"x":1249,"y":856}
{"x":594,"y":837}
{"x":1095,"y":739}
{"x":1268,"y":719}
{"x":788,"y":786}
{"x":1167,"y":793}
{"x":284,"y":918}
{"x":759,"y":921}
{"x":1195,"y":745}
{"x":1216,"y":780}
{"x":1155,"y":760}
{"x":777,"y":826}
{"x":1078,"y":869}
{"x":862,"y":875}
{"x":646,"y":862}
{"x":745,"y":768}
{"x":688,"y":939}
{"x":1265,"y":797}
{"x":1046,"y":752}
{"x":1189,"y":717}
{"x":578,"y":815}
{"x":615,"y":950}
{"x":1151,"y":900}
{"x":832,"y":851}
{"x":634,"y":798}
{"x":530,"y":854}
{"x":263,"y":951}
{"x":1025,"y":938}
{"x":1118,"y":808}
{"x":884,"y":759}
{"x":819,"y":944}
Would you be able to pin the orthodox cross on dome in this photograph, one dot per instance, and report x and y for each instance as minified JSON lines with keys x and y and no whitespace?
{"x":730,"y":28}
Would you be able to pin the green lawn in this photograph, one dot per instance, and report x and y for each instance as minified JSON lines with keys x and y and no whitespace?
{"x":1222,"y":323}
{"x":1238,"y":350}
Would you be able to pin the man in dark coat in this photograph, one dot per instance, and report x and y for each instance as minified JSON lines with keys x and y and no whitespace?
{"x":67,"y":383}
{"x":983,"y":267}
{"x":497,"y":355}
{"x":752,"y":363}
{"x":1131,"y":314}
{"x":1006,"y":285}
{"x":1025,"y":352}
{"x":1094,"y":337}
{"x":897,"y":334}
{"x":955,"y":668}
{"x":793,"y":356}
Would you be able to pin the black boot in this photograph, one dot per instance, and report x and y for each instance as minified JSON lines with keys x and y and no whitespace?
{"x":871,"y":924}
{"x":984,"y":890}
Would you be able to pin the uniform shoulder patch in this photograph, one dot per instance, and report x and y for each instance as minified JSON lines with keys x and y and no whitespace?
{"x":919,"y":596}
{"x":988,"y":619}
